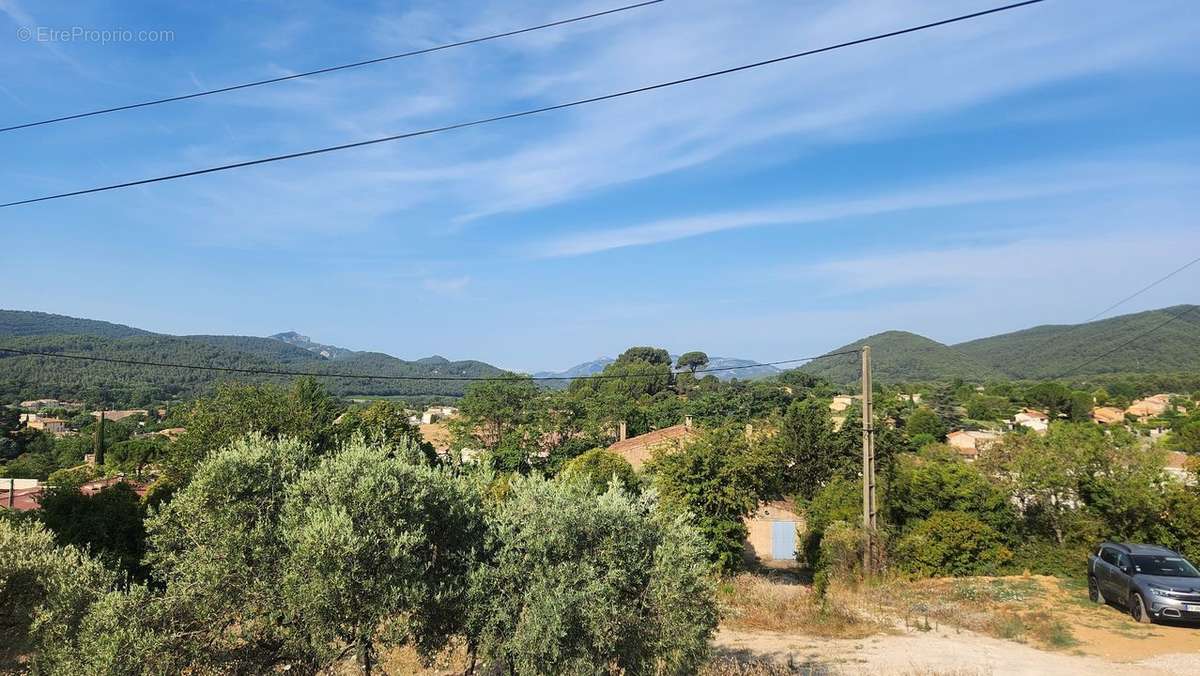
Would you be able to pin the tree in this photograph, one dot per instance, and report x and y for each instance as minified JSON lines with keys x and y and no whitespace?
{"x":305,"y":412}
{"x":45,"y":591}
{"x":599,"y":467}
{"x":384,"y":423}
{"x":952,"y":543}
{"x":107,"y":523}
{"x":616,"y":586}
{"x":718,"y":479}
{"x":134,"y":455}
{"x":1054,"y":397}
{"x":217,"y":550}
{"x":925,"y":421}
{"x":692,"y":361}
{"x":501,"y":417}
{"x":937,"y":480}
{"x":1080,"y":407}
{"x":649,"y":355}
{"x":378,"y":551}
{"x":807,"y":448}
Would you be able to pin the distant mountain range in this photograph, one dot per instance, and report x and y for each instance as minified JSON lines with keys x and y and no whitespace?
{"x":597,"y":365}
{"x":1144,"y":342}
{"x":327,"y":351}
{"x":27,"y":377}
{"x":1156,"y":341}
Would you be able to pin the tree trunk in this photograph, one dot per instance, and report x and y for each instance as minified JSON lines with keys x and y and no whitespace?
{"x":364,"y":656}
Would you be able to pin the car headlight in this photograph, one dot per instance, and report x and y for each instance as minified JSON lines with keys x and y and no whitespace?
{"x":1160,"y":591}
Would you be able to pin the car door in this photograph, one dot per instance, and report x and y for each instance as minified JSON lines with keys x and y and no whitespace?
{"x":1106,"y":572}
{"x":1120,"y":590}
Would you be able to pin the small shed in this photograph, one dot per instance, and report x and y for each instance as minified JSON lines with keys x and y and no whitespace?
{"x":773,"y":532}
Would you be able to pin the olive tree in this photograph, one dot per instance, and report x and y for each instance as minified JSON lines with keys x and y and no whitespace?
{"x":378,"y":551}
{"x":577,"y":583}
{"x":45,"y":591}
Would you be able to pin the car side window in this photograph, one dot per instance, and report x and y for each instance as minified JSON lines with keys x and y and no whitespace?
{"x":1108,"y":556}
{"x":1123,"y":562}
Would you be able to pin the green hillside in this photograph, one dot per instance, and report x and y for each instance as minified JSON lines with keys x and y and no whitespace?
{"x":28,"y":377}
{"x":901,"y":356}
{"x":1053,"y":350}
{"x":22,"y":323}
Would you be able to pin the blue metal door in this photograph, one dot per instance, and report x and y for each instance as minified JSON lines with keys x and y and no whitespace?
{"x":783,"y":540}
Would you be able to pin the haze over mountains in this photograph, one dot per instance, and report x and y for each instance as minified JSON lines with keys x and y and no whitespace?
{"x":1156,"y":341}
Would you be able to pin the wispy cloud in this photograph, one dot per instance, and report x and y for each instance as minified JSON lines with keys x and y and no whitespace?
{"x":849,"y":97}
{"x":448,"y":286}
{"x":1024,"y":183}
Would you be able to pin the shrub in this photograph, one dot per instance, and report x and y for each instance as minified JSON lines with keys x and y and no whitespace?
{"x":45,"y":591}
{"x":576,"y":583}
{"x":375,"y":538}
{"x":952,"y":543}
{"x":599,"y":467}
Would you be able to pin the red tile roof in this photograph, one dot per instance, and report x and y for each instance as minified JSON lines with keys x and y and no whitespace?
{"x":637,"y":450}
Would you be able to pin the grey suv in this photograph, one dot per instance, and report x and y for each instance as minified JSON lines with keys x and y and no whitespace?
{"x":1152,"y":582}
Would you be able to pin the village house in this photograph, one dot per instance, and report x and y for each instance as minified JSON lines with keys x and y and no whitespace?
{"x":121,"y":415}
{"x":20,"y":495}
{"x":38,"y":404}
{"x":1177,"y":466}
{"x":1032,"y":419}
{"x":1108,"y":415}
{"x":969,"y":443}
{"x":772,"y":532}
{"x":55,"y":426}
{"x":1149,"y":407}
{"x":841,"y":402}
{"x":637,"y":450}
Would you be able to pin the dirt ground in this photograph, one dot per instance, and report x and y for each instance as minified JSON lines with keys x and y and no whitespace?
{"x":940,"y":627}
{"x":1020,"y":625}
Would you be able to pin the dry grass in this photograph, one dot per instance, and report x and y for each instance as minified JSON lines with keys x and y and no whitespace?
{"x":1012,"y":608}
{"x":754,"y":602}
{"x":733,"y":666}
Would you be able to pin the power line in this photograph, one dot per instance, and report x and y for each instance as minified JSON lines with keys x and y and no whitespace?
{"x":524,"y":113}
{"x":330,"y":69}
{"x":360,"y":376}
{"x":1135,"y":339}
{"x":1144,"y":289}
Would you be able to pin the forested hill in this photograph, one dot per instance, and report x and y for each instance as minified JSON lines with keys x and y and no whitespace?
{"x":1144,"y":343}
{"x":22,"y":323}
{"x":28,"y":377}
{"x":1051,"y":350}
{"x":901,"y":356}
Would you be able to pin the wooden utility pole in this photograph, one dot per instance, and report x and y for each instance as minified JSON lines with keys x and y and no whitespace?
{"x":868,"y":458}
{"x":98,"y":441}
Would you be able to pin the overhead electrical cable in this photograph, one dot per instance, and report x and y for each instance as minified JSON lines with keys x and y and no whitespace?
{"x":1140,"y":336}
{"x":523,"y":113}
{"x":329,"y":69}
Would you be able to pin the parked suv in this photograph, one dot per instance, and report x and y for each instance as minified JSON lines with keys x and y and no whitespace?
{"x":1152,"y":582}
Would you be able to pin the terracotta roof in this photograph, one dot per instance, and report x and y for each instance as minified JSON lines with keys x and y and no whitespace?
{"x":1108,"y":415}
{"x":26,"y":499}
{"x":1177,"y":460}
{"x":637,"y":450}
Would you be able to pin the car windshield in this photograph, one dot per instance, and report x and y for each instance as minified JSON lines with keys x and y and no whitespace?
{"x":1170,"y":566}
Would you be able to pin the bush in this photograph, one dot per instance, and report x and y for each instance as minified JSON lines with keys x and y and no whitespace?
{"x":45,"y":591}
{"x":107,"y":523}
{"x":952,"y":543}
{"x":415,"y":532}
{"x":599,"y":467}
{"x":576,"y":583}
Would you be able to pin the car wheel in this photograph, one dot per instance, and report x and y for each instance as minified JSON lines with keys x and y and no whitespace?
{"x":1094,"y":592}
{"x":1137,"y":607}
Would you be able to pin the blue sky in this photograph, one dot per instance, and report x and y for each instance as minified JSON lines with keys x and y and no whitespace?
{"x":1026,"y":168}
